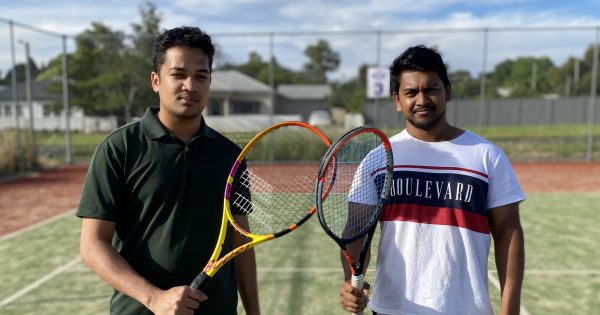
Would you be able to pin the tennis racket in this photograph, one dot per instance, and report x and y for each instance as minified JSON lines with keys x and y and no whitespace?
{"x":356,"y":172}
{"x":272,"y":184}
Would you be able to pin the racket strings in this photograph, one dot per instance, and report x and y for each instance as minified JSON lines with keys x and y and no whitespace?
{"x":271,"y":208}
{"x":257,"y":207}
{"x":359,"y":168}
{"x":276,"y":190}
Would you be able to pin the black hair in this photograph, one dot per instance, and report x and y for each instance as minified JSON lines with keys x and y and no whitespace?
{"x":419,"y":58}
{"x":185,"y":36}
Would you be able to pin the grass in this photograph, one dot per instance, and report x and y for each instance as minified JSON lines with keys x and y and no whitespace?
{"x":300,"y":273}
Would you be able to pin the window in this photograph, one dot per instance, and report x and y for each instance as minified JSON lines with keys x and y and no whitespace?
{"x":245,"y":107}
{"x":47,"y":110}
{"x":215,"y":108}
{"x":8,"y":110}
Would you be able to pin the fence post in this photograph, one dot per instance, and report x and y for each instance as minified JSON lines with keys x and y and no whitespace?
{"x":591,"y":108}
{"x":482,"y":86}
{"x":15,"y":97}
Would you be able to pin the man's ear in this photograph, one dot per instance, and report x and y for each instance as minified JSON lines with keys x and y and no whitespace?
{"x":448,"y":93}
{"x":155,"y":81}
{"x":396,"y":99}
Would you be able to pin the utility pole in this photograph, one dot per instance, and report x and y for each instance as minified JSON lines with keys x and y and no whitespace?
{"x":28,"y":98}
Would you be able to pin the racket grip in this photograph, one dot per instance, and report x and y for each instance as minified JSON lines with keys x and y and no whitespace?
{"x":357,"y":282}
{"x":200,"y":281}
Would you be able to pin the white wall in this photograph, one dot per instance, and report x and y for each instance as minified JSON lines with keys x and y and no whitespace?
{"x":52,"y":122}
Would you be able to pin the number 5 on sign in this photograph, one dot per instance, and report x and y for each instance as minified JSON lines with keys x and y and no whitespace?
{"x":378,"y":82}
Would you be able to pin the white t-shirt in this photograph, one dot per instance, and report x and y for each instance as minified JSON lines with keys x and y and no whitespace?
{"x":435,"y":238}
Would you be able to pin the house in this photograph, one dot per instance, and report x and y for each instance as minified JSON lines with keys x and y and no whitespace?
{"x":302,"y":98}
{"x":45,"y":118}
{"x":234,"y":93}
{"x":239,"y":102}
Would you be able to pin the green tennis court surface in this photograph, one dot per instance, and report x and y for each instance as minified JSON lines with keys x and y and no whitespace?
{"x":300,"y":273}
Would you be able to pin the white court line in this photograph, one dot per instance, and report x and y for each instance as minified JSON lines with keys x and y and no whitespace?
{"x":496,"y":283}
{"x":307,"y":270}
{"x":559,"y":272}
{"x":38,"y":283}
{"x":36,"y":225}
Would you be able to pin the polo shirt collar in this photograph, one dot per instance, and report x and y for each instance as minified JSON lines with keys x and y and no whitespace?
{"x":155,"y":130}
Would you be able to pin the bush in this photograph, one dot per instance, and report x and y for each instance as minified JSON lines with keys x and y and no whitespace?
{"x":12,"y":161}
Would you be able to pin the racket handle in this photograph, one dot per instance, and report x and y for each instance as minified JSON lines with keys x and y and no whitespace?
{"x":200,"y":281}
{"x":357,"y":282}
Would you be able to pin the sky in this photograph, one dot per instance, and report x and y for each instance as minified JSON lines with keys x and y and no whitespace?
{"x":455,"y":27}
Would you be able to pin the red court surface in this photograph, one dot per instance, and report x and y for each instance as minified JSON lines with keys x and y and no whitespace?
{"x":29,"y":199}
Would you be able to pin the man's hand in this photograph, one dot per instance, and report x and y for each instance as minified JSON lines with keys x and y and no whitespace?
{"x":181,"y":300}
{"x":352,"y":299}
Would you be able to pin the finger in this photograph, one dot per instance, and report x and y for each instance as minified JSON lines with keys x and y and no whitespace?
{"x":366,"y":286}
{"x":347,"y":287}
{"x":191,"y":304}
{"x":365,"y":291}
{"x":197,"y":295}
{"x":349,"y":307}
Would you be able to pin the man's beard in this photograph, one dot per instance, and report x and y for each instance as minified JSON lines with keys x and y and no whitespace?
{"x":428,"y":124}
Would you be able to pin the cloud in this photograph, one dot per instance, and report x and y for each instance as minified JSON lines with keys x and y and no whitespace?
{"x":462,"y":45}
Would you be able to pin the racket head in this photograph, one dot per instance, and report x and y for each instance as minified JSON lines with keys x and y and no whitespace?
{"x":356,"y":175}
{"x":272,"y":180}
{"x":271,"y":183}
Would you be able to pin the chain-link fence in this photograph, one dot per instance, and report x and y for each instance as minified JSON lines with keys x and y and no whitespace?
{"x":477,"y":51}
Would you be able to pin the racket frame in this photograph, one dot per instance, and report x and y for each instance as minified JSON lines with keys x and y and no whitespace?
{"x":329,"y":158}
{"x":215,"y":263}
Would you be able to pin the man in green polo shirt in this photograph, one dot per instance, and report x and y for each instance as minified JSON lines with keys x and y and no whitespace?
{"x":152,"y":201}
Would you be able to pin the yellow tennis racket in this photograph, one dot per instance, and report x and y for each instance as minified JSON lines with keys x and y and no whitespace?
{"x":272,"y":184}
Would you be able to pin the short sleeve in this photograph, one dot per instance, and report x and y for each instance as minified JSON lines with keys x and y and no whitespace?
{"x":504,"y":186}
{"x":103,"y":189}
{"x":366,"y":184}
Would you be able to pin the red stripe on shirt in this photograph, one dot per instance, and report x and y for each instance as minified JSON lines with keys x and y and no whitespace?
{"x":436,"y":215}
{"x":443,"y":168}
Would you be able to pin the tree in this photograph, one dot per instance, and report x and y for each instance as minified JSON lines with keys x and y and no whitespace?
{"x":586,"y":72}
{"x":106,"y":75}
{"x":139,"y":62}
{"x":526,"y":76}
{"x":321,"y":59}
{"x":351,"y":94}
{"x":95,"y":81}
{"x":20,"y":68}
{"x":463,"y":85}
{"x":258,"y":68}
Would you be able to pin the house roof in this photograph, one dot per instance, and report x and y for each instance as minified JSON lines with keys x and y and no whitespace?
{"x":235,"y":81}
{"x":304,"y":91}
{"x":38,"y":92}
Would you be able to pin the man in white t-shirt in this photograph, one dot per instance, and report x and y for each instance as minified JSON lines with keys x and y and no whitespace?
{"x":452,"y":192}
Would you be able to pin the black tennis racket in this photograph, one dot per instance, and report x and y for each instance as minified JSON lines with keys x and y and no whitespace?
{"x":356,"y":173}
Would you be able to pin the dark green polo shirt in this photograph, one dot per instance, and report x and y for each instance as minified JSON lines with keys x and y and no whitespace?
{"x":166,"y":198}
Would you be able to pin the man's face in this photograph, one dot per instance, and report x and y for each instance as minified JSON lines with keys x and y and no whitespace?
{"x":183,"y":82}
{"x":422,"y":98}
